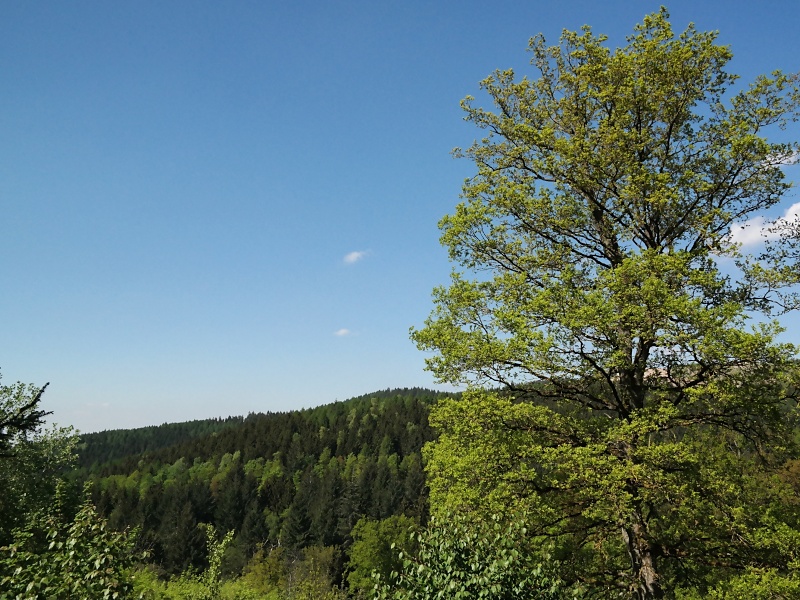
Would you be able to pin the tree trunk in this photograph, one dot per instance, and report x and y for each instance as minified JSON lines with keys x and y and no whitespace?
{"x":643,"y":559}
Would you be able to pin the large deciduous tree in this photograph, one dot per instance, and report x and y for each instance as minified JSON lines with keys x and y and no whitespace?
{"x":644,"y":401}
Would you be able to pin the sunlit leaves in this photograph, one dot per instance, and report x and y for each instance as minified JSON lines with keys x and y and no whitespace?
{"x":594,"y":285}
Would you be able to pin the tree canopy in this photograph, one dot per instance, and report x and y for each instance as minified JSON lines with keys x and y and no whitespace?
{"x":641,"y":400}
{"x":32,"y":458}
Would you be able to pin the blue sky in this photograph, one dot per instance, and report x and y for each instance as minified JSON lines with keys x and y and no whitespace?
{"x":214,"y":208}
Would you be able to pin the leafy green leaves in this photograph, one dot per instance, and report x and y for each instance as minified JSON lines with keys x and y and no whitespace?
{"x":60,"y":560}
{"x":461,"y":558}
{"x":606,"y":304}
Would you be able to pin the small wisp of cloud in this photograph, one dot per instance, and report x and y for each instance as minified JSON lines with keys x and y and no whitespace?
{"x":759,"y":229}
{"x":355,"y":256}
{"x":342,"y":332}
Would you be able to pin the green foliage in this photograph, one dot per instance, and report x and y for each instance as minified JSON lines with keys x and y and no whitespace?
{"x":375,"y":549}
{"x":297,"y":479}
{"x":67,"y":560}
{"x":110,"y":446}
{"x":266,"y":571}
{"x":20,"y":414}
{"x":641,"y":416}
{"x":307,"y":575}
{"x":461,"y":558}
{"x":216,"y":550}
{"x":479,"y":466}
{"x":46,"y":551}
{"x":184,"y":587}
{"x":310,"y":577}
{"x":754,"y":584}
{"x":29,"y":477}
{"x":208,"y":585}
{"x":53,"y":545}
{"x":31,"y":459}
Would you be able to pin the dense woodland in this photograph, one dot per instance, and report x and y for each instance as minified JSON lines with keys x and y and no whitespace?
{"x":294,"y":479}
{"x":305,"y":503}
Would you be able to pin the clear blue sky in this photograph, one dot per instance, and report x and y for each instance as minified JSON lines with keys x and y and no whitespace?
{"x":182,"y":182}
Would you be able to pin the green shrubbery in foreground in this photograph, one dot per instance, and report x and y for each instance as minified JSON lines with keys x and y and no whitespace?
{"x":63,"y":559}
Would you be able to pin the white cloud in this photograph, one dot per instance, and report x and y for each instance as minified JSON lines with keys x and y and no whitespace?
{"x":750,"y":232}
{"x":758,"y":229}
{"x":342,"y":332}
{"x":787,"y":160}
{"x":354,"y":257}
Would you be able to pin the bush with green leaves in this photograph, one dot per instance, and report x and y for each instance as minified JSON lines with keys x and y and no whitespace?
{"x":32,"y":458}
{"x":282,"y":574}
{"x":309,"y":576}
{"x":458,"y":558}
{"x":752,"y":584}
{"x":211,"y":577}
{"x":67,"y":559}
{"x":376,"y":546}
{"x":207,"y":585}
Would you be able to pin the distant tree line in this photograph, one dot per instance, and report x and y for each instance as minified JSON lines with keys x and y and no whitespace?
{"x":106,"y":447}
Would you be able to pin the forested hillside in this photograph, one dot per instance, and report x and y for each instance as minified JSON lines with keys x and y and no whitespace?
{"x":296,"y":480}
{"x":108,"y":446}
